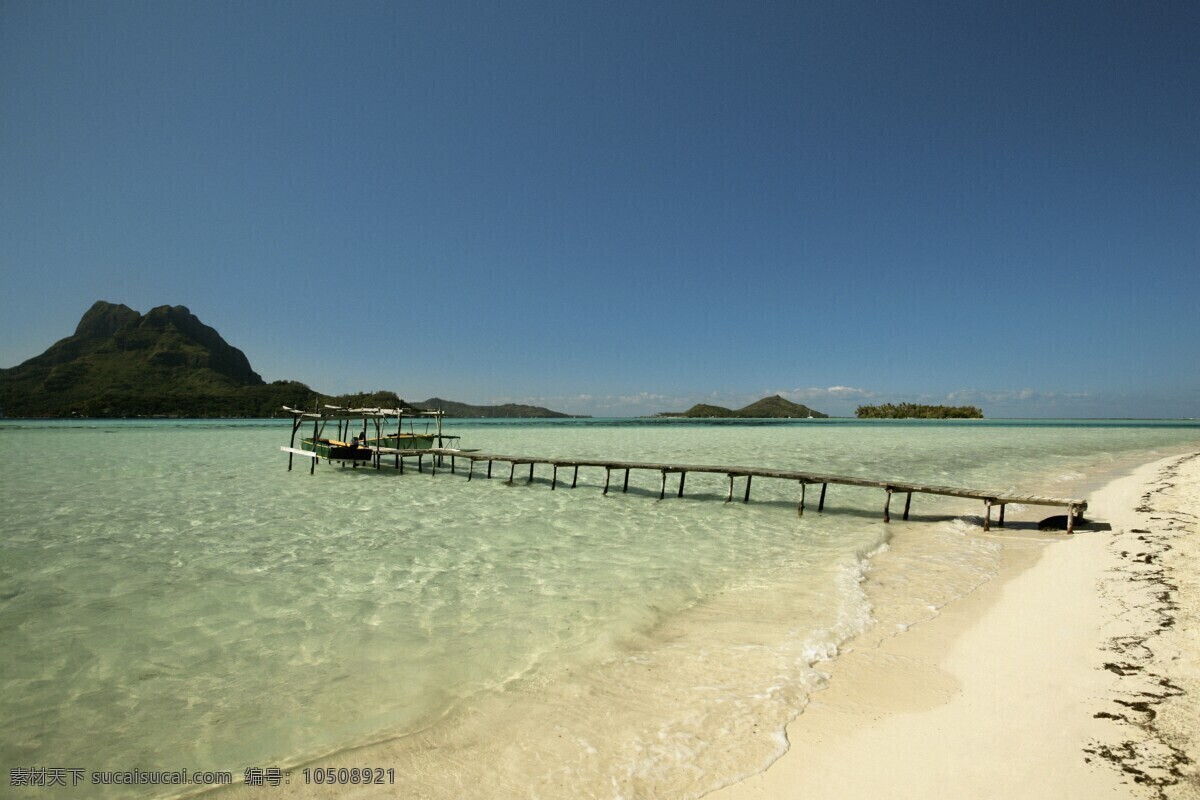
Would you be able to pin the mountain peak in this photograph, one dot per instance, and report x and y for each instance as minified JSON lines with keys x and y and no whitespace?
{"x":104,"y":319}
{"x":118,"y":358}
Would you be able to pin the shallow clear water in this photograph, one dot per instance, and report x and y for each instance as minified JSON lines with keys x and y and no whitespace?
{"x":172,"y":597}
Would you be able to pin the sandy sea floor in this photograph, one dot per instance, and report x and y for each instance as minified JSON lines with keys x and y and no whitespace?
{"x":1074,"y":673}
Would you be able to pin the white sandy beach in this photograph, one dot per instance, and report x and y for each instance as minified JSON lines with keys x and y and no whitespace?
{"x":1074,"y":674}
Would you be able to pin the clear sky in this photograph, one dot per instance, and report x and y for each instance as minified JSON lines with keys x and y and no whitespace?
{"x":622,"y":208}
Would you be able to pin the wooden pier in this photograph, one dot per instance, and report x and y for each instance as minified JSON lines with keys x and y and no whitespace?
{"x":1075,"y":507}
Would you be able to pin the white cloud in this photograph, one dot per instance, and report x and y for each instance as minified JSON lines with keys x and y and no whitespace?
{"x":817,"y":394}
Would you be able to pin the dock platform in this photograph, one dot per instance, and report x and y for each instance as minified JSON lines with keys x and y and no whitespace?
{"x":1075,"y":507}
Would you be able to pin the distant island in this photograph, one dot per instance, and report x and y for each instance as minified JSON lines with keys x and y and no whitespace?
{"x":505,"y":411}
{"x":915,"y":411}
{"x":774,"y":407}
{"x":167,"y":363}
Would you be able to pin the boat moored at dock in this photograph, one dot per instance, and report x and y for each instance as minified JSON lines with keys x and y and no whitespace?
{"x":380,"y":432}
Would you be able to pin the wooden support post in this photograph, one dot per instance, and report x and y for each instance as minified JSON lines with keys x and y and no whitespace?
{"x":420,"y":462}
{"x":887,"y":504}
{"x":1000,"y":522}
{"x":295,"y":427}
{"x":625,"y":488}
{"x":607,"y":475}
{"x":729,"y":498}
{"x":800,"y":508}
{"x":987,"y":516}
{"x":433,"y":465}
{"x":907,"y":503}
{"x":746,"y":499}
{"x":313,"y":466}
{"x":821,"y":502}
{"x":682,"y":478}
{"x":401,"y":460}
{"x":489,"y":469}
{"x":512,"y":471}
{"x":530,"y":473}
{"x":575,"y":477}
{"x":316,"y":435}
{"x":554,"y":478}
{"x":452,"y":465}
{"x":1071,"y":518}
{"x":663,"y":491}
{"x":470,"y":470}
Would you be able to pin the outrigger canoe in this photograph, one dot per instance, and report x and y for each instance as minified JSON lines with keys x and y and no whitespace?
{"x":344,"y":446}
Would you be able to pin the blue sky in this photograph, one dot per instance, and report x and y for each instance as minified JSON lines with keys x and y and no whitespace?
{"x":623,"y":208}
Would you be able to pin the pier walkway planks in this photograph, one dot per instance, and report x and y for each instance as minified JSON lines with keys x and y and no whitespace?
{"x":1075,"y":507}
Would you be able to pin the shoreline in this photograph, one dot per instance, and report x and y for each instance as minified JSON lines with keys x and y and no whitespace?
{"x":1052,"y":680}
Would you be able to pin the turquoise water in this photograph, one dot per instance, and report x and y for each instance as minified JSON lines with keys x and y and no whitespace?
{"x":171,"y":597}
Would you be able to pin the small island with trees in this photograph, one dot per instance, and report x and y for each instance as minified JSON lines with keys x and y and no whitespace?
{"x":916,"y":411}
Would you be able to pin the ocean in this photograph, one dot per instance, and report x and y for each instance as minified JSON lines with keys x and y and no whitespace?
{"x":174,"y":600}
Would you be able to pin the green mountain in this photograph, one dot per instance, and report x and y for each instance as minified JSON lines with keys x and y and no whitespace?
{"x":702,"y":411}
{"x":508,"y":410}
{"x":122,"y":363}
{"x":776,"y":407}
{"x":167,"y":363}
{"x":768,"y":408}
{"x":111,"y":342}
